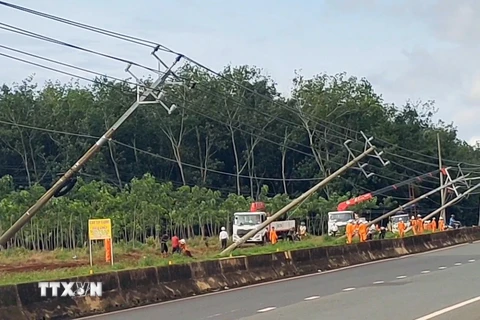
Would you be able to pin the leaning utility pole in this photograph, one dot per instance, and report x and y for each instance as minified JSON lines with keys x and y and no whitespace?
{"x":423,"y":196}
{"x":451,"y":202}
{"x":369,"y":148}
{"x":66,"y":182}
{"x":442,"y":192}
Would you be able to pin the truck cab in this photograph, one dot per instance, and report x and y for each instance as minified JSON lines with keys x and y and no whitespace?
{"x":340,"y":218}
{"x":393,"y":224}
{"x":244,"y":222}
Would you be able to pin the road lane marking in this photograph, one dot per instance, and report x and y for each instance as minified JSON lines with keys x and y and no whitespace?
{"x":202,"y":296}
{"x":458,"y":264}
{"x":442,"y":268}
{"x":448,"y":309}
{"x":379,"y":282}
{"x":401,"y":277}
{"x":348,"y":289}
{"x":214,"y":315}
{"x":267,"y":309}
{"x":471,"y":260}
{"x":425,"y":271}
{"x":312,"y":298}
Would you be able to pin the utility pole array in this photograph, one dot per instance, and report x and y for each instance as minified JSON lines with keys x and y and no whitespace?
{"x":369,"y":148}
{"x":423,"y":196}
{"x":67,"y":181}
{"x":453,"y":201}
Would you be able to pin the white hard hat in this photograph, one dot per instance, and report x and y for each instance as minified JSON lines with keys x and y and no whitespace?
{"x":351,"y":220}
{"x":413,"y":217}
{"x":365,"y":222}
{"x":182,"y":241}
{"x":419,"y":216}
{"x":441,"y":218}
{"x":400,"y":219}
{"x":223,"y":228}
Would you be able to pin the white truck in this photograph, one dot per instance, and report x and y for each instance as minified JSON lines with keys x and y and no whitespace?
{"x":340,"y":218}
{"x":247,"y":221}
{"x":393,"y":225}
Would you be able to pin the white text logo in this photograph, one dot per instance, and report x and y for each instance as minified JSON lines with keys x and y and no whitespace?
{"x":70,"y":289}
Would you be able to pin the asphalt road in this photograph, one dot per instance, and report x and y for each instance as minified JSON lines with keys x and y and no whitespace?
{"x":401,"y":289}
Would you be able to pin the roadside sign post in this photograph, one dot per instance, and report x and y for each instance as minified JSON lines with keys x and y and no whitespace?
{"x":100,"y":229}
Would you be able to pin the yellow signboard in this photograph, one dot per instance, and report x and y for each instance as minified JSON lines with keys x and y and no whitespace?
{"x":99,"y":229}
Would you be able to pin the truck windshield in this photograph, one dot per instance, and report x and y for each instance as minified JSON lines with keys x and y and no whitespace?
{"x":341,"y":217}
{"x":248,"y":219}
{"x":397,"y":219}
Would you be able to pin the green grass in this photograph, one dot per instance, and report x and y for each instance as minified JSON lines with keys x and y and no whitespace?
{"x":134,"y":256}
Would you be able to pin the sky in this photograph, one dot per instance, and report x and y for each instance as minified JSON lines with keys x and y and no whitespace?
{"x":409,"y":50}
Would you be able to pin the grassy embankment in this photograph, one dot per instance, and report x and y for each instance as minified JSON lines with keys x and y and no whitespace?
{"x":58,"y":264}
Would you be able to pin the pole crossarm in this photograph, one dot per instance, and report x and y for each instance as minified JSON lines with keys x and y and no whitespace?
{"x":66,"y":179}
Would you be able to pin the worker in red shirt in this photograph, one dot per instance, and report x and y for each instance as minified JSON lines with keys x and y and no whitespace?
{"x":175,"y":244}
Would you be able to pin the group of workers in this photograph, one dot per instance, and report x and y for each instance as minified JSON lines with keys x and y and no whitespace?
{"x":178,"y":245}
{"x":418,"y":226}
{"x":359,"y":228}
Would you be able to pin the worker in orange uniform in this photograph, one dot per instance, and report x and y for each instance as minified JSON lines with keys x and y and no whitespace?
{"x":362,"y":231}
{"x":441,"y":224}
{"x":357,"y":229}
{"x":401,"y":228}
{"x":419,"y":224}
{"x":273,"y":236}
{"x":433,"y":225}
{"x":183,"y":247}
{"x":413,"y":224}
{"x":350,"y":231}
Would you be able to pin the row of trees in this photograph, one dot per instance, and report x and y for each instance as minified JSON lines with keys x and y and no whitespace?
{"x":229,"y":138}
{"x":144,"y":208}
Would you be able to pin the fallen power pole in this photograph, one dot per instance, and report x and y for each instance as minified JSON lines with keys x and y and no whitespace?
{"x":66,"y":182}
{"x":295,"y":202}
{"x":423,"y":196}
{"x":309,"y":192}
{"x":450,"y":203}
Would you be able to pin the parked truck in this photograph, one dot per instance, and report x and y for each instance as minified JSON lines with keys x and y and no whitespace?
{"x":340,"y":218}
{"x":244,"y":222}
{"x":393,"y":224}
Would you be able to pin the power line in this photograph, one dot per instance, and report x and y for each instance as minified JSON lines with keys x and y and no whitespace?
{"x":152,"y":44}
{"x":103,"y":31}
{"x":150,"y":153}
{"x":24,"y":32}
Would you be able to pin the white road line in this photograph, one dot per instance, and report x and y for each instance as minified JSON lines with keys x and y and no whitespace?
{"x":348,"y":289}
{"x":471,"y":260}
{"x":311,"y":298}
{"x":379,"y":282}
{"x":401,"y":277}
{"x":267,"y":309}
{"x":442,"y":268}
{"x":215,"y":315}
{"x":425,"y":271}
{"x":451,"y":308}
{"x":458,"y":264}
